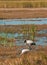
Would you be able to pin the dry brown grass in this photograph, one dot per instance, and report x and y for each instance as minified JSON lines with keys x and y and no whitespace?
{"x":23,"y":13}
{"x":19,"y":28}
{"x":23,"y":4}
{"x":31,"y":58}
{"x":23,"y":0}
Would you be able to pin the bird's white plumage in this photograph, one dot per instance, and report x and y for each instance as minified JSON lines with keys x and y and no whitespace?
{"x":24,"y":50}
{"x":29,"y":42}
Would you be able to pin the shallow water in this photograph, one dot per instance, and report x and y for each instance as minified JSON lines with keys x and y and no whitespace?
{"x":19,"y":37}
{"x":44,"y":31}
{"x":23,"y":21}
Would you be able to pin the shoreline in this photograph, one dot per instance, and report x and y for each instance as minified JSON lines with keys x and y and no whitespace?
{"x":22,"y":13}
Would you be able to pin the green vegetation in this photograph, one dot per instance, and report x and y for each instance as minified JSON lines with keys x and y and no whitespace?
{"x":22,"y":4}
{"x":29,"y":32}
{"x":5,"y":40}
{"x":33,"y":32}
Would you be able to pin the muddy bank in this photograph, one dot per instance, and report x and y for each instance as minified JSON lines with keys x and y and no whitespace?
{"x":12,"y":13}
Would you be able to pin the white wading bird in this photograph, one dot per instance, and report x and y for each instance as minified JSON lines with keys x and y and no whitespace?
{"x":24,"y":51}
{"x":29,"y":43}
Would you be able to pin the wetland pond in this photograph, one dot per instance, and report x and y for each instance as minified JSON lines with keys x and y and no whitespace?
{"x":19,"y":37}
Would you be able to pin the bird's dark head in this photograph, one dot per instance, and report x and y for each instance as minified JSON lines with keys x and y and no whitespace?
{"x":24,"y":41}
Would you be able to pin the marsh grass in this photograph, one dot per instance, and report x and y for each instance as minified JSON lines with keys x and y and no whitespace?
{"x":30,"y":58}
{"x":35,"y":59}
{"x":7,"y":41}
{"x":23,"y":4}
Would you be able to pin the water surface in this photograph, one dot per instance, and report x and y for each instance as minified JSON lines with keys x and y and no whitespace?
{"x":19,"y":37}
{"x":24,"y":21}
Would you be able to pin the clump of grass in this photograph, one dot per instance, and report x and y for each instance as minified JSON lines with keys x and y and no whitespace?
{"x":33,"y":32}
{"x":5,"y":39}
